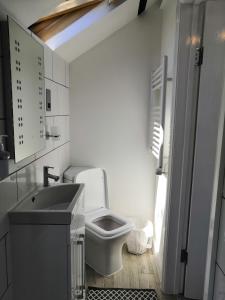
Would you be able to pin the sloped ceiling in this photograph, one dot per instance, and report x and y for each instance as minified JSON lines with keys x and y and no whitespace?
{"x":73,"y":42}
{"x":83,"y":34}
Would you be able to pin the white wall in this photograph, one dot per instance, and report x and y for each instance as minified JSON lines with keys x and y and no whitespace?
{"x":110,"y":89}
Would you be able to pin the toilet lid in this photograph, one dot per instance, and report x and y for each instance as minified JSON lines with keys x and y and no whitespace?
{"x":72,"y":172}
{"x":94,"y":179}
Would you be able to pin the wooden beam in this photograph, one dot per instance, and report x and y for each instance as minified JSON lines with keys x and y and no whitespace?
{"x":48,"y":28}
{"x":142,"y":6}
{"x":68,"y":7}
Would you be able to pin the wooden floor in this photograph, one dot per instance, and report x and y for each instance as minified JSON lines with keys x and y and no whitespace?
{"x":138,"y":272}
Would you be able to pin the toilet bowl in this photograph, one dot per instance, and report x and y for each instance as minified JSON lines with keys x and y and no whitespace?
{"x":106,"y":231}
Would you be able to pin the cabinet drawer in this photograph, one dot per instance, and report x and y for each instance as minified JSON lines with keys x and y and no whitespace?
{"x":219,"y":287}
{"x":221,"y":243}
{"x":3,"y":270}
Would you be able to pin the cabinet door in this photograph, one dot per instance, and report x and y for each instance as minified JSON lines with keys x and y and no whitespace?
{"x":219,"y":289}
{"x":59,"y":69}
{"x":39,"y":262}
{"x":3,"y":270}
{"x":48,"y":62}
{"x":221,"y":243}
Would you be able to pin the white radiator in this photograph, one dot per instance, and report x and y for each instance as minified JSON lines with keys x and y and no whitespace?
{"x":157,"y":112}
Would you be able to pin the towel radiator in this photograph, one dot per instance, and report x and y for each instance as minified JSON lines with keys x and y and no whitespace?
{"x":157,"y":112}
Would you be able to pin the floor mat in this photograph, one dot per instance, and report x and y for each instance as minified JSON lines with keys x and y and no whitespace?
{"x":94,"y":293}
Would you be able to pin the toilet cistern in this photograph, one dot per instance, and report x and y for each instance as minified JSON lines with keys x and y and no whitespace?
{"x":46,"y":175}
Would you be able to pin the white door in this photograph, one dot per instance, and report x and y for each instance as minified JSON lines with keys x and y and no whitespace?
{"x":209,"y":103}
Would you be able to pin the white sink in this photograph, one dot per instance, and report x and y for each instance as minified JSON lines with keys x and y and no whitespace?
{"x":51,"y":205}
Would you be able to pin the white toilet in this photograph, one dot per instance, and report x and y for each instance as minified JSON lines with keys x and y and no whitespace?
{"x":106,"y":231}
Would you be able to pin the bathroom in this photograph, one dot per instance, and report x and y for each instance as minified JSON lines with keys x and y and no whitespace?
{"x":92,"y":135}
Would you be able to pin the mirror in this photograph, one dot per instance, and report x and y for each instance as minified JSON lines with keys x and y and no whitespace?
{"x":23,"y":63}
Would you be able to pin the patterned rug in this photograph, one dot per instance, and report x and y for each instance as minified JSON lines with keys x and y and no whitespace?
{"x":94,"y":293}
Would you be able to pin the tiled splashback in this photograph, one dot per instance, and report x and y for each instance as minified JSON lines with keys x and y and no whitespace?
{"x":32,"y":175}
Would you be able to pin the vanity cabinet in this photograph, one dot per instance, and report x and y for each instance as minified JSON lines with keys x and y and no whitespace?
{"x":3,"y":267}
{"x":48,"y":259}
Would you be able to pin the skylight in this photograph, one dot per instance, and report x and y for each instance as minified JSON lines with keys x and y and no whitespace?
{"x":62,"y":16}
{"x":65,"y":14}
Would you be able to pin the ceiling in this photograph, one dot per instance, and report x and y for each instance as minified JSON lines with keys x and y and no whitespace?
{"x":84,"y":33}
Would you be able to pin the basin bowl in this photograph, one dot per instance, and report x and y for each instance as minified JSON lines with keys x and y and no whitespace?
{"x":51,"y":205}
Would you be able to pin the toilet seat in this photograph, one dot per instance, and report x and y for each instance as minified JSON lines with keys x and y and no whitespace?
{"x":90,"y":217}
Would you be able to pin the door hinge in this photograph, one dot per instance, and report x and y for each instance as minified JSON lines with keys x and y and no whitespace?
{"x":184,"y":256}
{"x":199,"y":56}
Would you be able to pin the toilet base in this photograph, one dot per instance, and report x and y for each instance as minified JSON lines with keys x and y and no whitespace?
{"x":104,"y":256}
{"x":106,"y":275}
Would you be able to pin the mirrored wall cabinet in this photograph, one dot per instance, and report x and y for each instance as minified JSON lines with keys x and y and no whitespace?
{"x":23,"y":63}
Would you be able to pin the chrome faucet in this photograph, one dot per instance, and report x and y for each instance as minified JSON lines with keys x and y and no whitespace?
{"x":46,"y":175}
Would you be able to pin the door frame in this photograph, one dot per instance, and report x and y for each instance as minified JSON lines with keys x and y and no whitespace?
{"x":182,"y":144}
{"x":206,"y":147}
{"x":182,"y":149}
